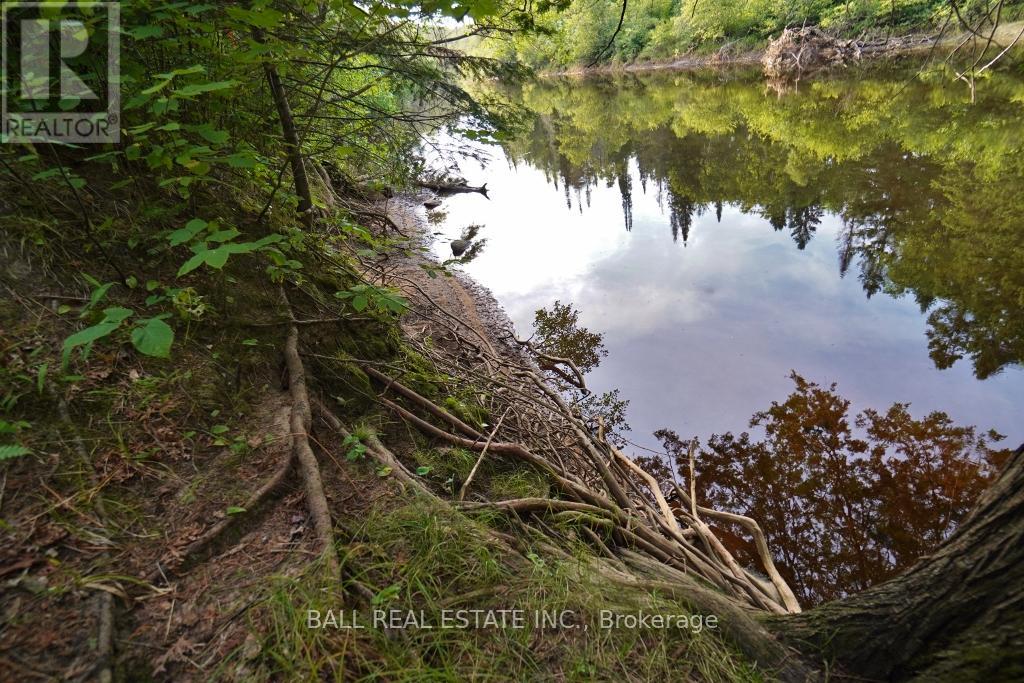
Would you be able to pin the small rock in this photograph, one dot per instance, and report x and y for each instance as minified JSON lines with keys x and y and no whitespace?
{"x":432,"y":204}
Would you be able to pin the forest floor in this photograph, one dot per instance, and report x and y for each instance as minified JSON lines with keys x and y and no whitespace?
{"x":176,"y":486}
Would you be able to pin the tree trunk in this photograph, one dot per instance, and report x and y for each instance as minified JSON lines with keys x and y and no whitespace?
{"x":957,"y":615}
{"x":291,"y":141}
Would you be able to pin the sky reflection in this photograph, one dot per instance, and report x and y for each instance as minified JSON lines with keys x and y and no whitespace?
{"x":703,"y":334}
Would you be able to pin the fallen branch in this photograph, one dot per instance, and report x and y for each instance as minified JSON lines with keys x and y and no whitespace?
{"x":453,"y":188}
{"x":584,"y":467}
{"x":429,"y":406}
{"x":785,"y":593}
{"x":652,"y":485}
{"x":522,"y":505}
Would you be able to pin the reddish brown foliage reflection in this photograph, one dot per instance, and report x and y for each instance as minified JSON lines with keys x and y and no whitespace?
{"x":844,"y":504}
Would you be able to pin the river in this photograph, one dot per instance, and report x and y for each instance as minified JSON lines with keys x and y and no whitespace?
{"x":865,"y":228}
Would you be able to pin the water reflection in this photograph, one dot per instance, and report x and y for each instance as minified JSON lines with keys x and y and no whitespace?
{"x":721,"y":236}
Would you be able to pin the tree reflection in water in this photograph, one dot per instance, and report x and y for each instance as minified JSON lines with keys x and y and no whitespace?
{"x":927,"y":184}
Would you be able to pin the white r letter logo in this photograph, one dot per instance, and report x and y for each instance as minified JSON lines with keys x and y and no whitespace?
{"x":35,"y":59}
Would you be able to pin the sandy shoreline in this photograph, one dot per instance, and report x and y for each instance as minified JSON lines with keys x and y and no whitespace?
{"x":471,"y":302}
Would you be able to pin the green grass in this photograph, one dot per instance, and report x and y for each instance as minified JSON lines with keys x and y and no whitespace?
{"x":519,"y":483}
{"x":447,"y":462}
{"x":427,"y":557}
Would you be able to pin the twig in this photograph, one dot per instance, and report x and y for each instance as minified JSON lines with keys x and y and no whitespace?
{"x":483,"y":452}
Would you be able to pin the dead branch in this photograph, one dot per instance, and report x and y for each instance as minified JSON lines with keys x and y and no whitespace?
{"x":599,"y":488}
{"x":453,"y":188}
{"x":785,"y":593}
{"x":552,"y":363}
{"x":433,"y":409}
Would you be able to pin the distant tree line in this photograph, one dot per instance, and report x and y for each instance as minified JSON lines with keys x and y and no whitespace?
{"x":616,"y":31}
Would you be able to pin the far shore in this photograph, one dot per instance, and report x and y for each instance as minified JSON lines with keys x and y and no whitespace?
{"x":1004,"y":36}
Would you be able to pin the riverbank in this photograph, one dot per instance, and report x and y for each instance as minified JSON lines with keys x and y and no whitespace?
{"x":910,"y":44}
{"x":456,"y":292}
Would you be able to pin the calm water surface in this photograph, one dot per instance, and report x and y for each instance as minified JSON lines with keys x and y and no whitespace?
{"x":859,"y":230}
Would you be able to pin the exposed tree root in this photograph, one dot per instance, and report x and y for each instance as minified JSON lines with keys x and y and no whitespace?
{"x":301,"y":420}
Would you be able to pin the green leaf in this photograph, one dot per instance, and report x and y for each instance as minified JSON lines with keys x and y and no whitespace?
{"x":85,"y":338}
{"x":153,"y":337}
{"x":9,"y":451}
{"x":200,"y":88}
{"x":143,"y":32}
{"x":235,"y":510}
{"x":355,"y":446}
{"x":156,"y":88}
{"x":117,"y":314}
{"x":191,"y":229}
{"x":219,"y":429}
{"x":356,"y":452}
{"x":423,"y":470}
{"x":216,"y":258}
{"x":223,"y":235}
{"x":266,"y":18}
{"x":192,"y":263}
{"x":272,"y":238}
{"x":211,"y":134}
{"x":386,"y":595}
{"x":359,"y":302}
{"x":99,"y":291}
{"x":241,"y":160}
{"x":13,"y":427}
